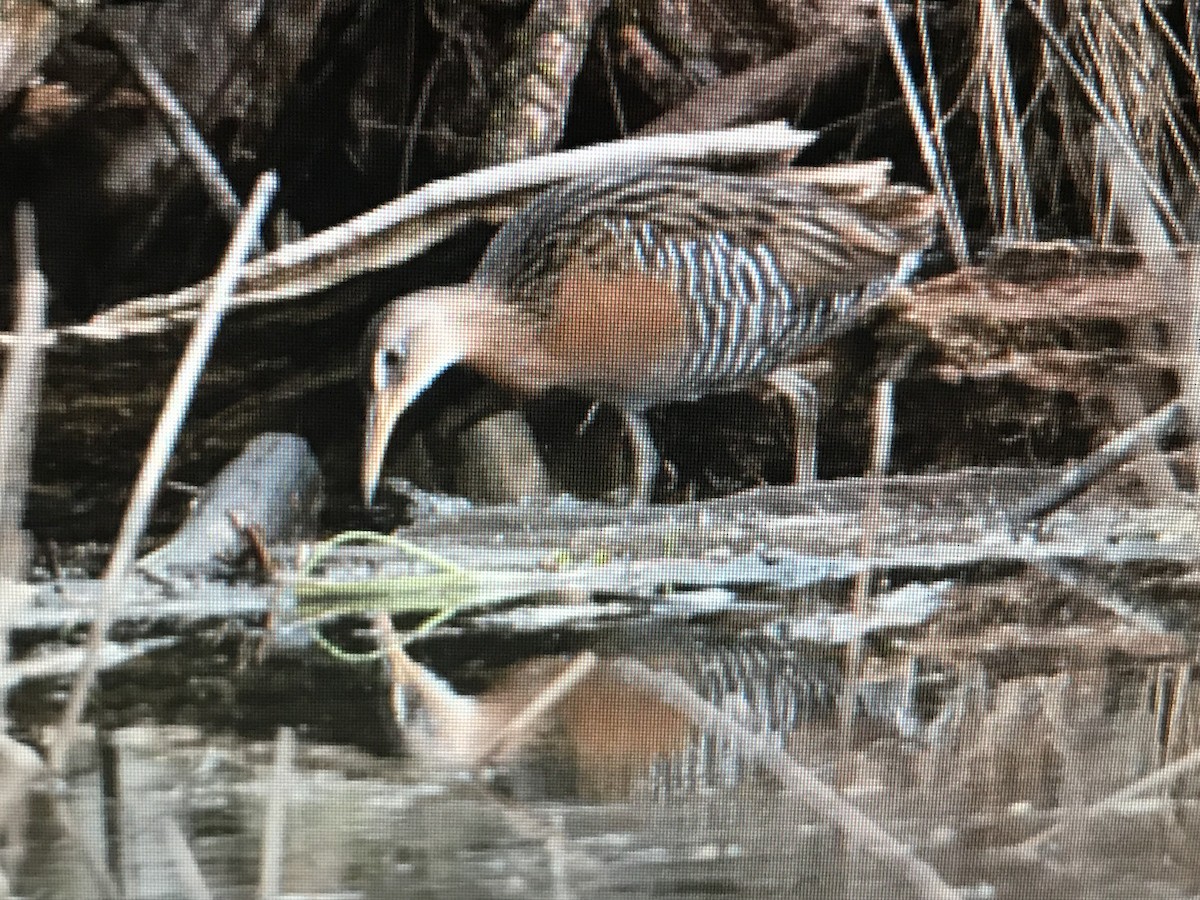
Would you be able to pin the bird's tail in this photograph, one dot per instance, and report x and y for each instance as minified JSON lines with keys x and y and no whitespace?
{"x":911,"y":212}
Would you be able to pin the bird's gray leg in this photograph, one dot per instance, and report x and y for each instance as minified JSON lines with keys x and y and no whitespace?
{"x":802,"y":394}
{"x":645,"y":457}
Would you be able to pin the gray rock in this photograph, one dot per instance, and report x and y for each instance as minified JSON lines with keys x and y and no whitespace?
{"x":273,"y":487}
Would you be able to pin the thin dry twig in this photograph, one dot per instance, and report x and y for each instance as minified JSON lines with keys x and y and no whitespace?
{"x":21,"y":388}
{"x":1119,"y":130}
{"x":186,"y":135}
{"x":20,"y":396}
{"x":103,"y":881}
{"x":1176,"y":736}
{"x":279,"y":795}
{"x":1000,"y":129}
{"x":935,"y":166}
{"x":1155,"y":782}
{"x":1188,"y":277}
{"x":1175,"y":274}
{"x":763,"y":749}
{"x":21,"y":773}
{"x":1186,"y":59}
{"x":191,"y":879}
{"x":408,"y":225}
{"x":1131,"y":199}
{"x":556,"y":850}
{"x":937,"y":120}
{"x":166,"y":432}
{"x":1123,"y":55}
{"x":883,"y":420}
{"x":1083,"y":474}
{"x":547,"y":698}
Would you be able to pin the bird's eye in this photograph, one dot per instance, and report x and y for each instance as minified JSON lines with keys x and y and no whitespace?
{"x":387,"y":367}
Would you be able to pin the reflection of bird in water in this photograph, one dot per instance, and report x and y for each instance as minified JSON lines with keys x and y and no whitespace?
{"x":597,"y":731}
{"x":650,"y":287}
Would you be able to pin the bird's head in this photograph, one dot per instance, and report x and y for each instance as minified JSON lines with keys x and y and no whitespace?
{"x":414,"y":340}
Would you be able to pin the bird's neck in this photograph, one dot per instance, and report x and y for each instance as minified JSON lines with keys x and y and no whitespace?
{"x":496,"y":340}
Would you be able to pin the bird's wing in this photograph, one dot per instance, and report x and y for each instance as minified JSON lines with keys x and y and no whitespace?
{"x":827,"y":233}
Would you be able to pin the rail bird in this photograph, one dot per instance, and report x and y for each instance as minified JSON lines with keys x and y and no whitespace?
{"x":654,"y":286}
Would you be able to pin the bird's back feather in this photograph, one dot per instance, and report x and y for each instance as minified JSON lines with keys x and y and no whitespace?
{"x":760,"y":265}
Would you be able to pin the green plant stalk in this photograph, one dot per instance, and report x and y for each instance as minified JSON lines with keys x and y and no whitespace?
{"x":441,"y":595}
